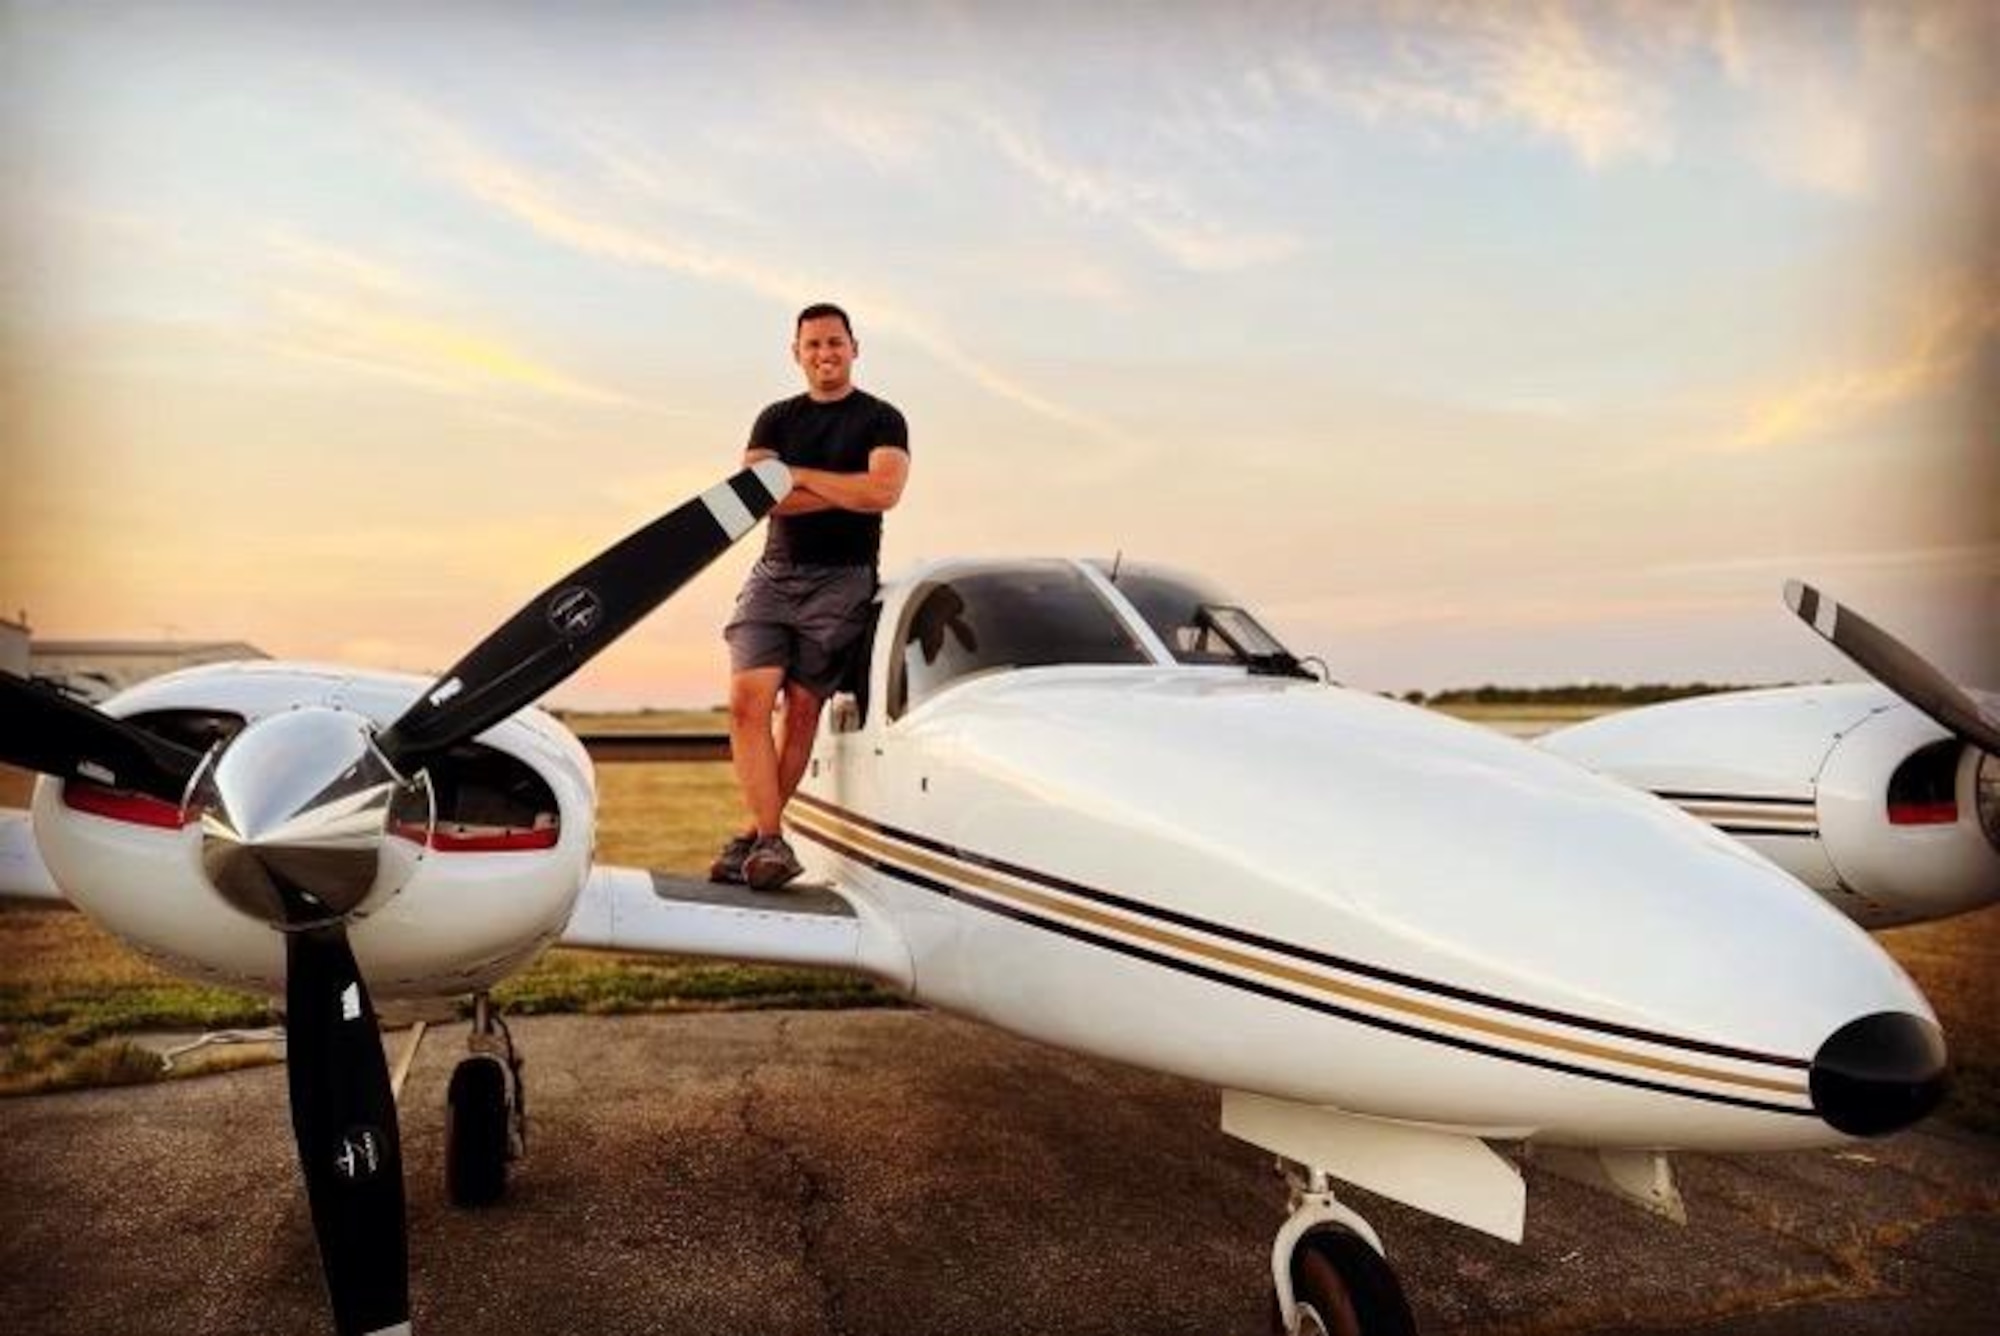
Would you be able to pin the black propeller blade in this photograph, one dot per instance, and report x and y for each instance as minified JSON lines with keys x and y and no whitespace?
{"x":1896,"y":666}
{"x":344,"y":1118}
{"x":47,"y":732}
{"x":565,"y":625}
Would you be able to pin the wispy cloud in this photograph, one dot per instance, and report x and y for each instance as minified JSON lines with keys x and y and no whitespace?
{"x":494,"y":181}
{"x":1955,"y":559}
{"x":1484,"y":609}
{"x":1833,"y":99}
{"x":433,"y":354}
{"x":887,"y":135}
{"x":1484,"y":68}
{"x":556,"y":215}
{"x":310,"y":258}
{"x":1899,"y":98}
{"x":332,"y":304}
{"x":1551,"y":77}
{"x":1947,"y":335}
{"x":1156,"y":211}
{"x":643,"y":173}
{"x":305,"y":297}
{"x":1724,"y":37}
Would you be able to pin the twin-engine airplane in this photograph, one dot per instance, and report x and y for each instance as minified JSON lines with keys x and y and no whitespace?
{"x":1101,"y":807}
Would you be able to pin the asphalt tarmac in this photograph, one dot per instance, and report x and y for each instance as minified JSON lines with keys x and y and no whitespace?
{"x":900,"y":1173}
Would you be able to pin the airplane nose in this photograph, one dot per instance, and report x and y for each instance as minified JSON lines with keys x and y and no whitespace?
{"x":1879,"y":1074}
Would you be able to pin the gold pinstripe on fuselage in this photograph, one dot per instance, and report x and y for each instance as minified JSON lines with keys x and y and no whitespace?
{"x":822,"y":819}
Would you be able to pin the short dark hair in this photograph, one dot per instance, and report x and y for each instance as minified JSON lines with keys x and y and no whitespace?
{"x":820,"y":311}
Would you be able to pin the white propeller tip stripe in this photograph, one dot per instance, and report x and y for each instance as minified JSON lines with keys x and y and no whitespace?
{"x":728,"y":510}
{"x":777,"y":479}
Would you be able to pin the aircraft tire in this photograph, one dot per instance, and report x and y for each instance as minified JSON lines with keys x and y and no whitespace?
{"x":475,"y":1133}
{"x":1344,"y":1288}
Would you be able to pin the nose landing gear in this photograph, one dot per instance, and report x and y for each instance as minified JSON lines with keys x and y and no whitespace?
{"x":486,"y":1120}
{"x":1328,"y":1270}
{"x":1327,"y":1265}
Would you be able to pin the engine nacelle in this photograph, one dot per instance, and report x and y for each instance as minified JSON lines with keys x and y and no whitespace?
{"x":500,"y":868}
{"x":1849,"y":788}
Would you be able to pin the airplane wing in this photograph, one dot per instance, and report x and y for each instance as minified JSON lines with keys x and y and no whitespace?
{"x":22,"y":875}
{"x":629,"y":909}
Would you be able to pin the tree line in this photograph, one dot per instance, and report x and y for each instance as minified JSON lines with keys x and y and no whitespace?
{"x":1574,"y":693}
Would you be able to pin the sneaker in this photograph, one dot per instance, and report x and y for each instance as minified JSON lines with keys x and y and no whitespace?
{"x":771,"y":864}
{"x":727,"y":869}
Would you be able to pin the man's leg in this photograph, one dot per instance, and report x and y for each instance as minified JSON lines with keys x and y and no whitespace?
{"x":801,"y":725}
{"x":753,"y":693}
{"x":770,"y":861}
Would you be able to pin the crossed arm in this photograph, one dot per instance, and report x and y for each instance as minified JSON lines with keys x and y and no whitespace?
{"x":816,"y":489}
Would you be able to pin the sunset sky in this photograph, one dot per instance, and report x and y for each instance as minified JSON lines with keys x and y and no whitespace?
{"x":1466,"y":342}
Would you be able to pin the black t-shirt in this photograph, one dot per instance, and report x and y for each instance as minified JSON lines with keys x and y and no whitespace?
{"x":837,"y":437}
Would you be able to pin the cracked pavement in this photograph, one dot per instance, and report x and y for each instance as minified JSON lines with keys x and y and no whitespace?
{"x":810,"y":1207}
{"x":878,"y":1172}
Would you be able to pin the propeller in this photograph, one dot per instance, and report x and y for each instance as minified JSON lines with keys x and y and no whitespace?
{"x":1896,"y":666}
{"x":51,"y":734}
{"x":344,"y":1121}
{"x":565,"y":625}
{"x":293,"y":812}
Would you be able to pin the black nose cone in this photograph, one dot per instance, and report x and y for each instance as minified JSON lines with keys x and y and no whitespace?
{"x":1879,"y":1074}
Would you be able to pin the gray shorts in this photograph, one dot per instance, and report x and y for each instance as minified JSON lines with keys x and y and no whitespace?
{"x":804,"y":619}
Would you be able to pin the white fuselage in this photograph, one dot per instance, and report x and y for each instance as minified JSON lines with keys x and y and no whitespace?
{"x":1280,"y":886}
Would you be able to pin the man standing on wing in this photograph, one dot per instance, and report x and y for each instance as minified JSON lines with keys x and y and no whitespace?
{"x":808,"y":597}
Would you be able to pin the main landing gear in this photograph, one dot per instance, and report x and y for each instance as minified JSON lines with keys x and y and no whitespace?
{"x":1328,"y":1270}
{"x":485,"y":1118}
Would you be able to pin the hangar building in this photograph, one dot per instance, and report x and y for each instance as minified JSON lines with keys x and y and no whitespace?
{"x":97,"y":669}
{"x":14,"y":646}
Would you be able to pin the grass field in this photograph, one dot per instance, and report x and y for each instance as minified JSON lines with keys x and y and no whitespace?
{"x":647,"y":722}
{"x":1957,"y":964}
{"x":71,"y":996}
{"x":1548,"y":715}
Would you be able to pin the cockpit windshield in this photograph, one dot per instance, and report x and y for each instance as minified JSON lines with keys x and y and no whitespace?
{"x":1198,"y":622}
{"x":1024,"y":615}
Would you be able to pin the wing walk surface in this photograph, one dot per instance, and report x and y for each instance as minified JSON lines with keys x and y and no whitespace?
{"x":629,"y":909}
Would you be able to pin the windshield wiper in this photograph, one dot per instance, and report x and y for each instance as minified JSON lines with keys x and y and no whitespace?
{"x":1249,"y":641}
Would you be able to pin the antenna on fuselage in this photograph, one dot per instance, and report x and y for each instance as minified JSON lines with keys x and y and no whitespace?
{"x":1116,"y":559}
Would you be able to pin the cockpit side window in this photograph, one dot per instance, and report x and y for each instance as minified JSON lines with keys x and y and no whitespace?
{"x":1025,"y":616}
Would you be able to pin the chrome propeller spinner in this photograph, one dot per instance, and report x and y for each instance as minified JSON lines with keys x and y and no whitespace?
{"x":305,"y":823}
